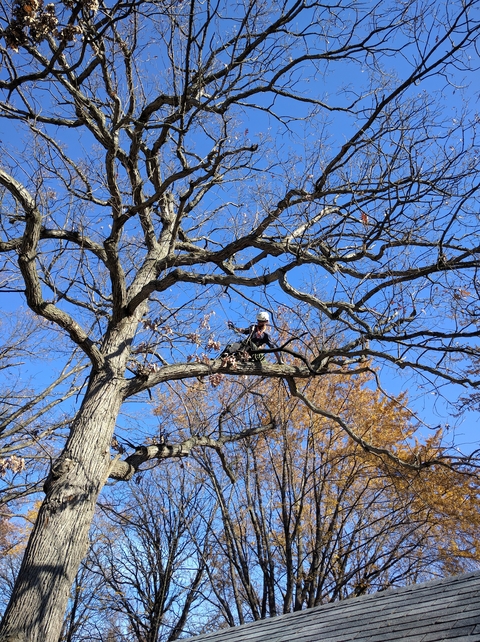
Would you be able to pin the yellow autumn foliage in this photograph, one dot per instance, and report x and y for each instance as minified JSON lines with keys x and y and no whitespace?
{"x":314,"y":515}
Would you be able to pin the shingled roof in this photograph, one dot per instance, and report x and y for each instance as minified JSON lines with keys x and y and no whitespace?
{"x":447,"y":609}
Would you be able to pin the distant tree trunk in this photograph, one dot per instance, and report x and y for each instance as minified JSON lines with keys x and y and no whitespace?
{"x":60,"y":537}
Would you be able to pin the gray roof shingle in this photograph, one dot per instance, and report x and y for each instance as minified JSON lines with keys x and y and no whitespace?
{"x":447,"y":609}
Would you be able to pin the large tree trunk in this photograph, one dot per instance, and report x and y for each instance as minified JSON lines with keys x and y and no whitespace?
{"x":59,"y":539}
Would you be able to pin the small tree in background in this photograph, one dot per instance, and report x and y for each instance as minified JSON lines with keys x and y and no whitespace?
{"x":152,"y":571}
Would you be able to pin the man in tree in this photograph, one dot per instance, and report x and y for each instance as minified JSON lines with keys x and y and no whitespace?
{"x":257,"y":337}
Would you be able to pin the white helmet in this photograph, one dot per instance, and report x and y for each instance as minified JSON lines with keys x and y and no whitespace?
{"x":263,"y":316}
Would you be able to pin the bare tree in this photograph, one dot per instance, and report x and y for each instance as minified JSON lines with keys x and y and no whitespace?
{"x":169,"y":154}
{"x":83,"y":622}
{"x":146,"y":555}
{"x":33,"y":415}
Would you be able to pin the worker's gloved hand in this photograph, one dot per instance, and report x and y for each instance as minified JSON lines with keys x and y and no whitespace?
{"x":230,"y":325}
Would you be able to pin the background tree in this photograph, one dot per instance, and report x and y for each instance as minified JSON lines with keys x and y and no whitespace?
{"x":166,"y":155}
{"x":84,"y":620}
{"x":313,"y":518}
{"x":33,"y":412}
{"x":147,"y":558}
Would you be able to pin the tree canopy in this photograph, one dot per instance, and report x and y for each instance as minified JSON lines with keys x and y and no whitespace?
{"x":161,"y":159}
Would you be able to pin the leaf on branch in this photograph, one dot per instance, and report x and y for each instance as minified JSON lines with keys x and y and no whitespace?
{"x":13,"y":463}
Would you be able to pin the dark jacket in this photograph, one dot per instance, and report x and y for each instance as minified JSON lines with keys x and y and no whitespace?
{"x":256,"y":336}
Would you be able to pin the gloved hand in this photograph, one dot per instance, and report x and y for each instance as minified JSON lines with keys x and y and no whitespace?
{"x":230,"y":325}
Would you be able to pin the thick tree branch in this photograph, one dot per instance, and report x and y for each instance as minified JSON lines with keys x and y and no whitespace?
{"x":124,"y":470}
